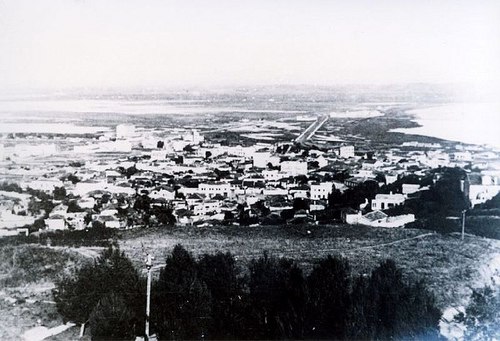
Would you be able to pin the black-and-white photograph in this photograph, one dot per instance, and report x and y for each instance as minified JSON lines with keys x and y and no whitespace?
{"x":249,"y":170}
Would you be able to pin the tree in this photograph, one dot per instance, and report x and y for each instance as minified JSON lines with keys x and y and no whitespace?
{"x":277,"y":297}
{"x":130,"y":171}
{"x":39,"y":224}
{"x":164,"y":214}
{"x":395,"y":309}
{"x":160,"y":144}
{"x":188,"y":148}
{"x":329,"y":291}
{"x":73,"y":178}
{"x":74,"y":207}
{"x":59,"y":193}
{"x":182,"y":309}
{"x":300,"y":204}
{"x":113,"y":319}
{"x":221,"y":276}
{"x":482,"y":315}
{"x":77,"y":296}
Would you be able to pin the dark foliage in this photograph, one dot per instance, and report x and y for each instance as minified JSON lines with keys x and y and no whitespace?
{"x":101,"y":289}
{"x":482,"y":315}
{"x":59,"y":193}
{"x":112,"y":318}
{"x":182,"y":309}
{"x":210,"y":299}
{"x":329,"y":286}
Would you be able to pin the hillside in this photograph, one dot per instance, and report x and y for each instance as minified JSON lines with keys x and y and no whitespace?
{"x":448,"y":265}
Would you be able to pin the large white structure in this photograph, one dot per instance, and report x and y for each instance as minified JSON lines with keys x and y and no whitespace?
{"x":346,"y":151}
{"x":294,"y":168}
{"x":272,"y":175}
{"x":207,"y":207}
{"x":193,"y":137}
{"x":410,"y":188}
{"x":28,"y":150}
{"x":55,"y":223}
{"x":321,"y":191}
{"x":479,"y":194}
{"x":211,"y":189}
{"x":45,"y":185}
{"x":385,"y":201}
{"x":124,"y":131}
{"x":380,"y":219}
{"x":261,"y":159}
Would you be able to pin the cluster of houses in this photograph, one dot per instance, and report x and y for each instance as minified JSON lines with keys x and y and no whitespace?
{"x":202,"y":182}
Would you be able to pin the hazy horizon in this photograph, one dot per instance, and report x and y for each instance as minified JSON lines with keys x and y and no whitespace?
{"x":57,"y":44}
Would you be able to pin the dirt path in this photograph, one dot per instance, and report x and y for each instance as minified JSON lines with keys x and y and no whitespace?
{"x":87,"y":252}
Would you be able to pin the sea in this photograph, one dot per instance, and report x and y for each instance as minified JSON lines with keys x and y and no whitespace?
{"x":471,"y":123}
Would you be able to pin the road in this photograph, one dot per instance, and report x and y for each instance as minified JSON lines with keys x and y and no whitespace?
{"x":312,"y":129}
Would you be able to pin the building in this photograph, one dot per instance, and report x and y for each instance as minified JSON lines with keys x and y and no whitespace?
{"x":163,"y":193}
{"x":385,"y":201}
{"x":345,"y":151}
{"x":380,"y":219}
{"x":261,"y":159}
{"x":45,"y":185}
{"x":320,"y":191}
{"x":124,"y":131}
{"x":214,"y":188}
{"x":272,"y":175}
{"x":294,"y":168}
{"x":193,"y":137}
{"x":55,"y":222}
{"x":410,"y":188}
{"x":207,"y":207}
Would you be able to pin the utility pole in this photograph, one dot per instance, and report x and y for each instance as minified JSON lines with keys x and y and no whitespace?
{"x":149,"y":265}
{"x":463,"y":223}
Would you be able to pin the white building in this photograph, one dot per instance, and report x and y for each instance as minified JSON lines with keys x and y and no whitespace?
{"x":45,"y":185}
{"x":193,"y":137}
{"x":275,"y":191}
{"x":76,"y":220}
{"x":385,"y":201}
{"x":124,"y":131}
{"x":272,"y":175}
{"x":410,"y":188}
{"x":261,"y":159}
{"x":321,"y":191}
{"x":390,"y":178}
{"x":463,"y":156}
{"x":55,"y":223}
{"x":345,"y":151}
{"x":167,"y":194}
{"x":380,"y":219}
{"x":479,"y":194}
{"x":158,"y":155}
{"x":214,"y":188}
{"x":207,"y":207}
{"x":28,"y":150}
{"x":294,"y":168}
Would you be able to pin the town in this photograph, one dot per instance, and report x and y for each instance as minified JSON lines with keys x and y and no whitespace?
{"x":269,"y":171}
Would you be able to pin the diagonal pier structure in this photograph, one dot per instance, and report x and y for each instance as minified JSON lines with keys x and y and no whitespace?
{"x":312,"y":129}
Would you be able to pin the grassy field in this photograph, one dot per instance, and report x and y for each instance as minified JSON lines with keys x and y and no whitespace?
{"x":27,"y":275}
{"x":448,"y":265}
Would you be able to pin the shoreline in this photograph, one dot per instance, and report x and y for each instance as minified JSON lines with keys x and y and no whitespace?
{"x":457,"y":122}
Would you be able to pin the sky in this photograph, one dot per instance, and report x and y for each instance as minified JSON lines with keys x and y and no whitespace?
{"x":137,"y":43}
